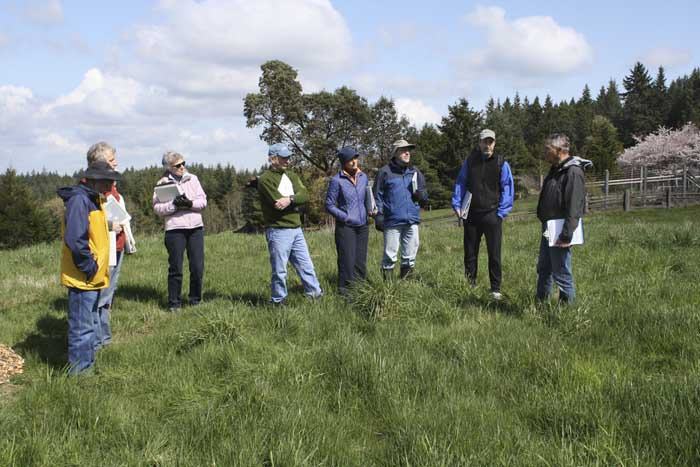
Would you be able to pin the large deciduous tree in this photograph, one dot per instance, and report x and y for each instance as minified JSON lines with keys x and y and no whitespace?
{"x":666,"y":149}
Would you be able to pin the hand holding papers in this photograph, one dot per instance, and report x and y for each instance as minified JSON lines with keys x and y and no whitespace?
{"x":554,"y":227}
{"x":166,"y":192}
{"x":466,"y":202}
{"x":370,"y":204}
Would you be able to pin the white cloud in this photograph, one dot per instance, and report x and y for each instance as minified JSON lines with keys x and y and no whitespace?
{"x":528,"y":46}
{"x":14,"y":98}
{"x":416,"y":111}
{"x":666,"y":57}
{"x":177,"y":83}
{"x":215,"y":47}
{"x":44,"y":12}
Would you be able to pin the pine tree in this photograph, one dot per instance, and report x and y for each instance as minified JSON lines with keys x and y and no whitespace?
{"x":639,"y":116}
{"x":602,"y":146}
{"x":584,"y":112}
{"x":22,"y":220}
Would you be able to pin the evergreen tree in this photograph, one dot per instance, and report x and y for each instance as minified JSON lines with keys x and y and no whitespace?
{"x":602,"y":146}
{"x":609,"y":105}
{"x":23,"y":221}
{"x":584,"y":112}
{"x":639,"y":116}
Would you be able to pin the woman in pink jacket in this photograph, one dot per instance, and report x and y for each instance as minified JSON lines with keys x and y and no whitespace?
{"x":184,"y":229}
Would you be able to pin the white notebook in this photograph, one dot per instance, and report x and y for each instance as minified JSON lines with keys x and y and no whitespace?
{"x":554,"y":227}
{"x":466,"y":202}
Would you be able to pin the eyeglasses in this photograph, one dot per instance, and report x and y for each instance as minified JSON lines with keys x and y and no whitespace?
{"x":177,"y":166}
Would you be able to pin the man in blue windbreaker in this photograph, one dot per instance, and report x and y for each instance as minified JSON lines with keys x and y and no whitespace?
{"x":398,"y":190}
{"x":486,"y":177}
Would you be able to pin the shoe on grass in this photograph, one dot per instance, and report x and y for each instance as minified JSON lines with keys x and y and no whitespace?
{"x":497,"y":296}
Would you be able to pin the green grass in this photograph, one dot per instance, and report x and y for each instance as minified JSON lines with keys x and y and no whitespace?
{"x":425,"y":372}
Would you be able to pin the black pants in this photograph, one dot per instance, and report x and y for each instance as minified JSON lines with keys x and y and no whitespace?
{"x":491,"y":226}
{"x":351,"y":245}
{"x":177,"y":241}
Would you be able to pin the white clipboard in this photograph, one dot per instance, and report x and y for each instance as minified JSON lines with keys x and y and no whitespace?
{"x":167,"y":192}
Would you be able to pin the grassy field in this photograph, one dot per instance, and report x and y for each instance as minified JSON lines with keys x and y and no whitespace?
{"x":420,"y":373}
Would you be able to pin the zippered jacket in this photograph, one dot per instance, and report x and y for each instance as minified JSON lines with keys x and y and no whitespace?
{"x":563,"y":195}
{"x":491,"y":187}
{"x":85,"y":249}
{"x":184,"y":218}
{"x":393,"y":193}
{"x":345,"y":200}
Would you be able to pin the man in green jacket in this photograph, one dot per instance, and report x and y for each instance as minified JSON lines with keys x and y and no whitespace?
{"x":281,"y":193}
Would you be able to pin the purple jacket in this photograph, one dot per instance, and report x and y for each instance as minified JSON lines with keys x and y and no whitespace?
{"x":184,"y":219}
{"x":345,"y":201}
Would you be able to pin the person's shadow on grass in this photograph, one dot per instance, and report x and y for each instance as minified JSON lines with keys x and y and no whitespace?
{"x":50,"y":340}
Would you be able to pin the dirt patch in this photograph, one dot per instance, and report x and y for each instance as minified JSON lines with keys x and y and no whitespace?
{"x":10,"y":364}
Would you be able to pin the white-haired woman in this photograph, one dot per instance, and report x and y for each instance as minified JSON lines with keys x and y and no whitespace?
{"x":184,"y":228}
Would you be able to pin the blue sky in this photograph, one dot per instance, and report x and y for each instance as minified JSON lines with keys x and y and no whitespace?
{"x":171,"y":74}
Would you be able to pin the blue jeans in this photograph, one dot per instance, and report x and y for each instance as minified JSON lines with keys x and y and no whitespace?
{"x":104,"y":305}
{"x":82,"y":329}
{"x":404,"y":236}
{"x":554,"y":263}
{"x":289,"y":245}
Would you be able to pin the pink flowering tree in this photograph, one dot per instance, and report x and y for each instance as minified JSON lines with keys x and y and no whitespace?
{"x":665,"y":150}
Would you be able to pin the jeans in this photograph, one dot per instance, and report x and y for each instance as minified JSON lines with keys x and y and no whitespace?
{"x":351,"y":246}
{"x":83,"y":323}
{"x":405,"y":236}
{"x":177,"y":241}
{"x":555,"y":263}
{"x":289,"y":245}
{"x":489,"y":225}
{"x":104,"y":305}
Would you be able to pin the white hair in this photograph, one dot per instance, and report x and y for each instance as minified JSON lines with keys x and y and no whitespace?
{"x":170,"y":157}
{"x":558,"y":141}
{"x":99,"y":152}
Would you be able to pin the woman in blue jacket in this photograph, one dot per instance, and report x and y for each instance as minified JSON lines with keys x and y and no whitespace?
{"x":345,"y":201}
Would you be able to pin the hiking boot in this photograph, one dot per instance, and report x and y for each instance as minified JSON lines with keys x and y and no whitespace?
{"x":406,"y":272}
{"x":387,"y":274}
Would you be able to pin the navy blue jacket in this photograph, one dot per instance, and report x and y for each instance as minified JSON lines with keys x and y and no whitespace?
{"x":507,"y":189}
{"x":346,"y":201}
{"x":393,"y":193}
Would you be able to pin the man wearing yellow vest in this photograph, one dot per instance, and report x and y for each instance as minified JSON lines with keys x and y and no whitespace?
{"x":85,"y":260}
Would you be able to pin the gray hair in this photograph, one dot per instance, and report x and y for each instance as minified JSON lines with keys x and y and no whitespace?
{"x":171,"y":156}
{"x":99,"y":152}
{"x":558,"y":141}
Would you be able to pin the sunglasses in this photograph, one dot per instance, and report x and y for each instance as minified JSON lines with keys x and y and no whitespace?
{"x":177,"y":166}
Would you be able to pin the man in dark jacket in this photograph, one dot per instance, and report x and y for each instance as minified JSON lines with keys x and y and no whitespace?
{"x":399,"y":188}
{"x":345,"y":201}
{"x":486,"y":178}
{"x":562,"y":197}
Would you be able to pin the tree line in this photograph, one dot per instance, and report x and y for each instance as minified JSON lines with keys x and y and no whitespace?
{"x":315,"y":125}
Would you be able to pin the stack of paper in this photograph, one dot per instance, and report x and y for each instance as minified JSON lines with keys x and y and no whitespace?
{"x":554,"y":227}
{"x":466,"y":202}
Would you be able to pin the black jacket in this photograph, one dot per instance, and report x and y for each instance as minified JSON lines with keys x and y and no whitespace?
{"x":563,"y":195}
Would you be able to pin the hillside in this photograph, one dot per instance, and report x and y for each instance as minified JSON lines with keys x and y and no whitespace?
{"x":425,"y":372}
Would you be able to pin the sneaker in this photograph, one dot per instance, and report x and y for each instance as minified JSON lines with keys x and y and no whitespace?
{"x":174,"y":309}
{"x":497,"y":296}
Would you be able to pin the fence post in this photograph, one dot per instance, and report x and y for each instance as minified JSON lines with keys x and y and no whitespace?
{"x":642,"y":184}
{"x":606,"y":188}
{"x":587,"y":205}
{"x":685,"y":185}
{"x":627,"y":200}
{"x":541,"y":181}
{"x":668,"y":197}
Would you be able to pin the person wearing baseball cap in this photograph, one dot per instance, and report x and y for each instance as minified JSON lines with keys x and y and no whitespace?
{"x":482,"y":198}
{"x":346,"y":201}
{"x":85,"y":260}
{"x":281,"y":194}
{"x":399,"y":189}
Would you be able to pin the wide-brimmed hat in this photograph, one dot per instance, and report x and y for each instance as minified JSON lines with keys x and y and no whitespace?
{"x":401,"y":144}
{"x":101,"y":170}
{"x":346,"y":154}
{"x":280,"y":150}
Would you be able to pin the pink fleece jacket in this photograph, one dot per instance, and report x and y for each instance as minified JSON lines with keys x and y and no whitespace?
{"x":184,"y":219}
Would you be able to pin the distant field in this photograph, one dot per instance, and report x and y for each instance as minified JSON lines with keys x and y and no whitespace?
{"x":423,"y":373}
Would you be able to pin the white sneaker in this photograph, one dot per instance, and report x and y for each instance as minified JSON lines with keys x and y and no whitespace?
{"x":496,"y":295}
